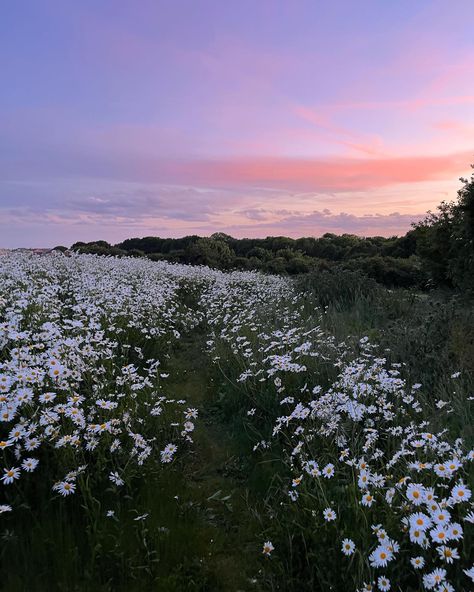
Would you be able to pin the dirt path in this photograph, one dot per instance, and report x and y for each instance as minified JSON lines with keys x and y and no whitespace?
{"x":215,"y":484}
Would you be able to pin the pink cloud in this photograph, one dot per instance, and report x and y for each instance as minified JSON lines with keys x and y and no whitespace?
{"x":335,"y":174}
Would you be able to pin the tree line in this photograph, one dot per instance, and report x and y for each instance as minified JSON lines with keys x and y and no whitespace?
{"x":437,"y":252}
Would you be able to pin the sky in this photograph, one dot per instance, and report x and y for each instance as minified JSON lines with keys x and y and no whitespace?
{"x":124,"y":118}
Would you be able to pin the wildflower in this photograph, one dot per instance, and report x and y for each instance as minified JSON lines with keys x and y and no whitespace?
{"x":31,"y":444}
{"x":15,"y":435}
{"x":469,"y":572}
{"x":419,"y":521}
{"x":65,"y":488}
{"x":47,"y":397}
{"x":191,"y":413}
{"x":328,"y":471}
{"x":389,"y":495}
{"x":267,"y":548}
{"x":415,"y":493}
{"x":460,"y":493}
{"x":29,"y":464}
{"x":293,"y":495}
{"x":5,"y":508}
{"x":311,"y":467}
{"x":116,"y":479}
{"x":440,"y":534}
{"x":364,"y":479}
{"x":367,"y":500}
{"x":435,"y":578}
{"x":383,"y":583}
{"x":297,"y":481}
{"x":417,"y":562}
{"x":455,"y":531}
{"x":10,"y":475}
{"x":445,"y":587}
{"x":469,"y":517}
{"x":448,"y":554}
{"x":348,"y":547}
{"x":329,"y":515}
{"x":188,"y":426}
{"x":441,"y":516}
{"x":380,"y":557}
{"x":441,"y":470}
{"x":108,"y":405}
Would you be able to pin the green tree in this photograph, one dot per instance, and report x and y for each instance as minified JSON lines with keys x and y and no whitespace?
{"x":445,"y":240}
{"x":211,"y":252}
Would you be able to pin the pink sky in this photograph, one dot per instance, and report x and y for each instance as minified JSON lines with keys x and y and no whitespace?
{"x":274,"y":117}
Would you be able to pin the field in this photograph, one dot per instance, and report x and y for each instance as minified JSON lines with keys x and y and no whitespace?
{"x":174,"y":428}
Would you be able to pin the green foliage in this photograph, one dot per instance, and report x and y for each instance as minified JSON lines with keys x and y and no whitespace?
{"x":210,"y":251}
{"x":445,"y":241}
{"x":390,"y":271}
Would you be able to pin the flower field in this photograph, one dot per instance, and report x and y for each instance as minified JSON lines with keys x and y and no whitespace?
{"x":168,"y":427}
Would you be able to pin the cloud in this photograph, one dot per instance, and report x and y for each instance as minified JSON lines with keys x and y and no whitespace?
{"x":332,"y":174}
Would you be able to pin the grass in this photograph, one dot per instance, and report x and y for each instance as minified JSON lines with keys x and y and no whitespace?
{"x":202,"y":528}
{"x":211,"y":510}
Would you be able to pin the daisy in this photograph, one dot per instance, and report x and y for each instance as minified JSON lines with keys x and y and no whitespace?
{"x":267,"y":548}
{"x":447,"y":554}
{"x":469,"y":517}
{"x":364,"y":480}
{"x":435,"y":578}
{"x":460,"y":493}
{"x":380,"y":557}
{"x":455,"y":531}
{"x":116,"y":479}
{"x":441,"y":516}
{"x":297,"y":481}
{"x":415,"y":493}
{"x":440,"y":534}
{"x":10,"y":475}
{"x":367,"y":500}
{"x":383,"y":583}
{"x":417,"y":536}
{"x":441,"y":470}
{"x":417,"y":562}
{"x":419,"y":521}
{"x":328,"y":471}
{"x":65,"y":488}
{"x":329,"y":515}
{"x":445,"y":587}
{"x":348,"y":547}
{"x":47,"y":397}
{"x":29,"y":464}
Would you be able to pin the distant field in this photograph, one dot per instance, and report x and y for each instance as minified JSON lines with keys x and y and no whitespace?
{"x":174,"y":428}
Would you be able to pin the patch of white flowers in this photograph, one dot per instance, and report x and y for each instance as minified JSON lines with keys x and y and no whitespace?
{"x":78,"y":390}
{"x":364,"y":431}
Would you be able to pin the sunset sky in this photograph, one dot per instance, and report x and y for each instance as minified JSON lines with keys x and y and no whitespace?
{"x":126,"y":118}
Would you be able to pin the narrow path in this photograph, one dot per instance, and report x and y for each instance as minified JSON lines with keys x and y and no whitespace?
{"x":221,"y":525}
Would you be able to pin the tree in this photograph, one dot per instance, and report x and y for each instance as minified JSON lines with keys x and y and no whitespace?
{"x":211,"y":252}
{"x":445,"y":240}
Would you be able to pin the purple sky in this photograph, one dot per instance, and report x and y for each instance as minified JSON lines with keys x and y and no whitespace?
{"x":121,"y":118}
